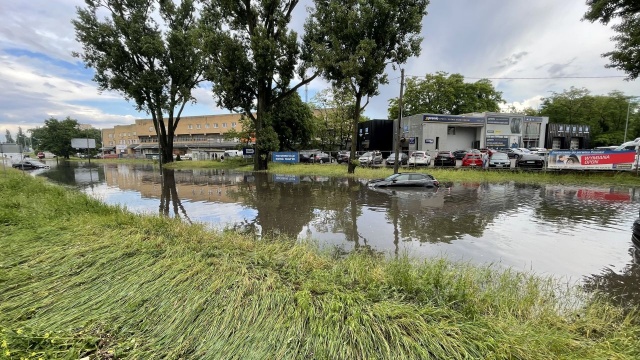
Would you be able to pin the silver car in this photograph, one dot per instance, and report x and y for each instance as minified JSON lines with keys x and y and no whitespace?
{"x":499,"y":160}
{"x":370,"y":158}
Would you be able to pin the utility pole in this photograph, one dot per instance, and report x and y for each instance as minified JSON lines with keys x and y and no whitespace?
{"x":396,"y":164}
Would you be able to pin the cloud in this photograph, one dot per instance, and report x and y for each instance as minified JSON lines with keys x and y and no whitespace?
{"x":512,"y":60}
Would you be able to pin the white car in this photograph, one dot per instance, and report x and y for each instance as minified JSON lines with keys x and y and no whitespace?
{"x":419,"y":158}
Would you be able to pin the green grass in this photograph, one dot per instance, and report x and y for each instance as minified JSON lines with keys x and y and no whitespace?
{"x":79,"y":278}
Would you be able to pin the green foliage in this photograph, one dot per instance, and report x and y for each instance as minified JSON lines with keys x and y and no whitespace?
{"x":292,"y":120}
{"x":55,"y":136}
{"x":333,"y":119}
{"x":8,"y":138}
{"x":441,"y":93}
{"x":154,"y":65}
{"x":171,"y":290}
{"x":605,"y":114}
{"x":255,"y":56}
{"x":626,"y":56}
{"x":353,"y":41}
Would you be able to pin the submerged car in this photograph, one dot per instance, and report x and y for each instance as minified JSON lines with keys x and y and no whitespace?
{"x":530,"y":161}
{"x":499,"y":160}
{"x":30,"y":164}
{"x":405,"y":180}
{"x":419,"y":158}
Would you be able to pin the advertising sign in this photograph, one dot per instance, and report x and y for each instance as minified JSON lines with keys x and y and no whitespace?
{"x":289,"y":157}
{"x":497,"y":142}
{"x":503,"y":125}
{"x":80,"y":143}
{"x":452,"y":118}
{"x":592,"y":159}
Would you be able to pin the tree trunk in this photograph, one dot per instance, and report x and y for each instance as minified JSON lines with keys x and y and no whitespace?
{"x":354,"y":135}
{"x":260,"y":156}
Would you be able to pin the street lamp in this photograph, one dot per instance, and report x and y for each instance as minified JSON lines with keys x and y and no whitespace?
{"x":628,"y":109}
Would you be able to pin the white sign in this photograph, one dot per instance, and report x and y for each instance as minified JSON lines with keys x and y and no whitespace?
{"x":83,"y":143}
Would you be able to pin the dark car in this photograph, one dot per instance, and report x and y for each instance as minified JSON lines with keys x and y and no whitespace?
{"x":445,"y":158}
{"x":343,"y":156}
{"x":530,"y":161}
{"x":30,"y":164}
{"x":391,"y":160}
{"x":306,"y":156}
{"x":405,"y":180}
{"x":320,"y":158}
{"x":459,"y":154}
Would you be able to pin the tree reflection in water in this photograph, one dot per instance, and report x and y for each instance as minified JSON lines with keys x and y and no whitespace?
{"x":621,"y":288}
{"x":169,"y":196}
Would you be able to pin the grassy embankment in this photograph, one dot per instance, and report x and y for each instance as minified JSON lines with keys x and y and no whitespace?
{"x":442,"y":174}
{"x":79,"y":278}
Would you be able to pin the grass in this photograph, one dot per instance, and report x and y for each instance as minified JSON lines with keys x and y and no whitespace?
{"x":79,"y":278}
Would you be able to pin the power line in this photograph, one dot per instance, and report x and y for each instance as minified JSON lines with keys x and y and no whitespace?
{"x":531,"y":78}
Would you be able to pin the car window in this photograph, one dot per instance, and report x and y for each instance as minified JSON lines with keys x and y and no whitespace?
{"x":391,"y":177}
{"x":402,"y":177}
{"x":500,"y":156}
{"x":416,"y":177}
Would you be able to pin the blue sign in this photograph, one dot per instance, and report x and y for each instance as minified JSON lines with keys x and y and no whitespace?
{"x":248,"y":151}
{"x":452,"y":118}
{"x":498,"y":120}
{"x":428,"y":141}
{"x":289,"y":157}
{"x":286,"y":178}
{"x":406,"y":128}
{"x":412,"y":140}
{"x":497,"y":142}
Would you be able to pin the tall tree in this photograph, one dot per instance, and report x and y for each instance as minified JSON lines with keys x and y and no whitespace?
{"x":292,"y":120}
{"x":21,"y":138}
{"x":55,"y":136}
{"x":353,"y":41}
{"x":441,"y":93}
{"x":7,"y":137}
{"x":626,"y":56}
{"x":333,"y":119}
{"x":155,"y":65}
{"x":255,"y":58}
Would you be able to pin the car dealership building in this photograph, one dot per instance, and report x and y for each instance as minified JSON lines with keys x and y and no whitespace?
{"x":430,"y":132}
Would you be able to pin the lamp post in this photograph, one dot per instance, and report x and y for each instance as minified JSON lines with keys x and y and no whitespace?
{"x":627,"y":123}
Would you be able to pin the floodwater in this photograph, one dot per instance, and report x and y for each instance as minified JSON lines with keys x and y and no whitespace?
{"x":578,"y":233}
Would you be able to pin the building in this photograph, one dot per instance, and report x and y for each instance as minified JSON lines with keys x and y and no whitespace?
{"x":431,"y":132}
{"x":375,"y":135}
{"x":202,"y":136}
{"x":566,"y":136}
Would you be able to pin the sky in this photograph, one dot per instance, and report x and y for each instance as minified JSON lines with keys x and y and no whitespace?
{"x":505,"y":41}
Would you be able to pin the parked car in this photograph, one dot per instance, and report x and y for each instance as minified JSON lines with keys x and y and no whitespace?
{"x":405,"y":180}
{"x":343,"y":156}
{"x":473,"y":159}
{"x":459,"y":154}
{"x":391,"y":160}
{"x":190,"y":156}
{"x":370,"y":158}
{"x":530,"y":161}
{"x":305,"y":156}
{"x":499,"y":160}
{"x":419,"y":158}
{"x":40,"y":155}
{"x":320,"y":158}
{"x":445,"y":158}
{"x":538,"y":150}
{"x":516,"y":153}
{"x":28,"y":164}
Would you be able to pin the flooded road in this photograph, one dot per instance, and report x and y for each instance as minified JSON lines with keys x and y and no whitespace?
{"x":579,"y":233}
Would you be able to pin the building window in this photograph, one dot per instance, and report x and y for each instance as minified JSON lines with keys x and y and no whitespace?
{"x":451,"y":130}
{"x":198,"y":126}
{"x":190,"y":126}
{"x":206,"y":126}
{"x":150,"y":128}
{"x":215,"y":126}
{"x":110,"y":136}
{"x":224,"y":124}
{"x":233,"y":124}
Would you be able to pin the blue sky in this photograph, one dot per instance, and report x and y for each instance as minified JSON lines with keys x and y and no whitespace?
{"x":478,"y":39}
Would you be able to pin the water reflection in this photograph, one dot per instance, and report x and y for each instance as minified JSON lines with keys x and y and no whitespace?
{"x":561,"y":230}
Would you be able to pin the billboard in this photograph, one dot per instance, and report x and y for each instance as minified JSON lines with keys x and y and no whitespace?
{"x":83,"y":143}
{"x":504,"y":125}
{"x":497,"y":142}
{"x":289,"y":157}
{"x":452,"y":119}
{"x":592,"y":159}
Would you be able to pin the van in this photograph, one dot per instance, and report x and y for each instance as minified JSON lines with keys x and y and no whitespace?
{"x":232,"y":153}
